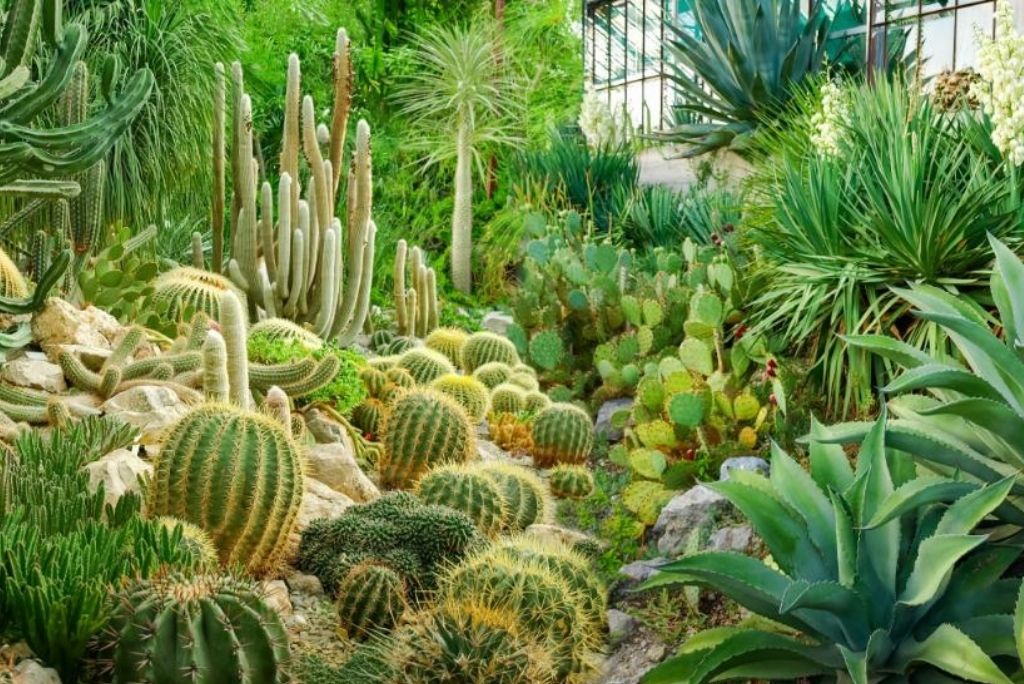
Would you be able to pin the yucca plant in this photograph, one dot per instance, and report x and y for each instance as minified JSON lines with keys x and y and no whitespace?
{"x":907,"y":198}
{"x":740,"y":66}
{"x":972,"y":421}
{"x":875,"y":577}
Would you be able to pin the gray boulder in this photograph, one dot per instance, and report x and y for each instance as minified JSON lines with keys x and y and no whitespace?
{"x":687,"y":519}
{"x":603,"y":422}
{"x":752,"y":464}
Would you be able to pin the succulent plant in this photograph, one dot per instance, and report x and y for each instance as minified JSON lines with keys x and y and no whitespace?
{"x":184,"y":291}
{"x":525,"y":380}
{"x":371,"y":598}
{"x":425,"y":365}
{"x":380,"y":339}
{"x":424,"y":428}
{"x":400,"y":377}
{"x":416,"y":308}
{"x":398,"y":345}
{"x":466,"y":489}
{"x":237,"y":475}
{"x":213,"y":629}
{"x":286,"y":330}
{"x":486,"y":347}
{"x":493,"y":374}
{"x":12,"y":282}
{"x":508,"y":398}
{"x":535,"y":401}
{"x":571,"y":481}
{"x":511,"y":431}
{"x":195,"y":540}
{"x":561,"y":433}
{"x":524,"y":495}
{"x":369,"y":416}
{"x":448,"y":341}
{"x":467,"y":391}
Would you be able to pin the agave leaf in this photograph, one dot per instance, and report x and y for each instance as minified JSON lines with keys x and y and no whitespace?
{"x":848,"y":606}
{"x":1018,"y":624}
{"x":830,"y":467}
{"x":890,"y":348}
{"x":952,"y":651}
{"x":917,"y":493}
{"x":937,"y":376}
{"x":936,"y":558}
{"x":975,"y":589}
{"x":846,"y":541}
{"x":965,"y":514}
{"x":994,"y":416}
{"x":993,"y":633}
{"x":880,"y":545}
{"x":1010,"y":272}
{"x":801,"y":492}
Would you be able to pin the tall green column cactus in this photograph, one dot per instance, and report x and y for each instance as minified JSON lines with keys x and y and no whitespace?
{"x":233,"y":327}
{"x":236,"y":474}
{"x":298,"y":260}
{"x":416,"y":307}
{"x":85,"y":209}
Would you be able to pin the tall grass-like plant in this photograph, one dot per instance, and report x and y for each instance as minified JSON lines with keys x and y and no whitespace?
{"x":908,"y":198}
{"x":656,"y":216}
{"x":462,"y":101}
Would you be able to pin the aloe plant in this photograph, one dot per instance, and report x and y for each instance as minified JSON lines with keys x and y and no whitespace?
{"x":877,"y":572}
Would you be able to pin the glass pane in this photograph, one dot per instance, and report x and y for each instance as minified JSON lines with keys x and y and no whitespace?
{"x":938,"y":33}
{"x":970,"y":21}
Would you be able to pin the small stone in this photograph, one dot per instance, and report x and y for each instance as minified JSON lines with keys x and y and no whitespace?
{"x":275,"y":595}
{"x":563,"y":535}
{"x":603,"y":422}
{"x":119,"y":472}
{"x":151,"y":408}
{"x":497,"y":322}
{"x":748,"y":463}
{"x":32,"y":672}
{"x":34,"y":374}
{"x":620,"y":624}
{"x":324,"y":429}
{"x":490,"y":452}
{"x":642,"y":570}
{"x":298,"y":622}
{"x":320,"y":501}
{"x":693,"y":512}
{"x":735,"y":538}
{"x":656,"y":653}
{"x":306,"y":585}
{"x":335,"y":465}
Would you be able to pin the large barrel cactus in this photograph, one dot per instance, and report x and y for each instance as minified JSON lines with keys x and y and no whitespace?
{"x":236,"y":474}
{"x":465,"y":489}
{"x":205,"y":630}
{"x":423,"y":428}
{"x":562,"y":433}
{"x":524,"y":495}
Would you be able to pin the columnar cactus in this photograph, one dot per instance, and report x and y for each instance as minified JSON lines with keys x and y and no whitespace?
{"x":216,"y":385}
{"x":448,"y":341}
{"x":508,"y":398}
{"x":299,"y":261}
{"x":571,"y":482}
{"x":12,"y":282}
{"x":467,"y":391}
{"x":371,"y":598}
{"x":523,"y":494}
{"x":465,"y":489}
{"x":208,"y":629}
{"x":237,"y":475}
{"x":493,"y":374}
{"x":425,"y":365}
{"x":416,"y":308}
{"x":562,"y":433}
{"x":423,"y":428}
{"x":486,"y":347}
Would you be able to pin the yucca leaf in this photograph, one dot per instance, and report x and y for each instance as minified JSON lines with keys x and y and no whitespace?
{"x":934,"y":564}
{"x":1010,"y":272}
{"x":952,"y":651}
{"x":917,"y":493}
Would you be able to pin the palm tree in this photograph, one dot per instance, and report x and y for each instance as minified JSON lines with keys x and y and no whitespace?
{"x":462,"y":101}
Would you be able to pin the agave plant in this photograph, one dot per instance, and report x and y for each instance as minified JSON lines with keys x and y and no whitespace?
{"x":973,"y":419}
{"x":877,"y":577}
{"x":740,"y":63}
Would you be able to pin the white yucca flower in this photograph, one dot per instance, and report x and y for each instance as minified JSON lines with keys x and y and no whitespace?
{"x":597,"y":121}
{"x":830,"y":121}
{"x":1001,"y":90}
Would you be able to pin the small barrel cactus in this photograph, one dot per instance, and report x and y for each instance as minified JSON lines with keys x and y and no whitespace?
{"x":12,"y":282}
{"x":571,"y":482}
{"x":200,"y":547}
{"x":423,"y":428}
{"x":371,"y":597}
{"x":508,"y":398}
{"x":398,"y":345}
{"x":286,"y":331}
{"x":525,"y":380}
{"x":467,"y":391}
{"x":401,"y":378}
{"x":425,"y":365}
{"x":448,"y":341}
{"x":486,"y":347}
{"x":465,"y":489}
{"x":535,"y":401}
{"x":374,"y":380}
{"x":523,"y":494}
{"x":186,"y":290}
{"x":381,"y":339}
{"x":203,"y":629}
{"x":237,"y":475}
{"x":369,"y":416}
{"x":562,"y":433}
{"x":493,"y":374}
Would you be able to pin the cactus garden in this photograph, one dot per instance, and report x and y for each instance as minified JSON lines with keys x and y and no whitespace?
{"x":382,"y":342}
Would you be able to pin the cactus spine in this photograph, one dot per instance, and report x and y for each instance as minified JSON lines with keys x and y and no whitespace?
{"x":467,"y":391}
{"x":468,"y":490}
{"x":371,"y":597}
{"x":306,"y":265}
{"x":486,"y":347}
{"x":562,"y":433}
{"x":416,"y":307}
{"x":237,"y":475}
{"x":571,"y":482}
{"x":493,"y":374}
{"x":508,"y":398}
{"x":216,"y":384}
{"x":212,"y":630}
{"x":448,"y":341}
{"x":423,"y":428}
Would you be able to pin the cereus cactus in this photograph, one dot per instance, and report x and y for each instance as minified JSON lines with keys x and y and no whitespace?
{"x":185,"y":291}
{"x":425,"y":365}
{"x":523,"y":494}
{"x":467,"y":391}
{"x":291,"y":255}
{"x":468,"y":490}
{"x":448,"y":341}
{"x":493,"y":374}
{"x":423,"y":428}
{"x":416,"y":307}
{"x":371,"y":598}
{"x":562,"y":433}
{"x":208,"y":629}
{"x":486,"y":347}
{"x":461,"y":641}
{"x":571,"y":482}
{"x":238,"y":476}
{"x":508,"y":398}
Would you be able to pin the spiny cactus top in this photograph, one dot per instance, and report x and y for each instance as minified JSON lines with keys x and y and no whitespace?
{"x":186,"y":289}
{"x":486,"y":347}
{"x":562,"y":433}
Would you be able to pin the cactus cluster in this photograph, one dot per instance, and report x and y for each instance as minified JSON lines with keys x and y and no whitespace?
{"x":468,"y":392}
{"x":448,"y":341}
{"x":423,"y":428}
{"x":208,"y":629}
{"x":571,"y":481}
{"x":287,"y":331}
{"x":466,"y":489}
{"x":425,"y":365}
{"x":416,"y":306}
{"x":486,"y":347}
{"x":561,"y":433}
{"x":12,"y":282}
{"x":524,"y":495}
{"x":371,"y":598}
{"x":397,"y":531}
{"x":297,"y":260}
{"x":237,"y":475}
